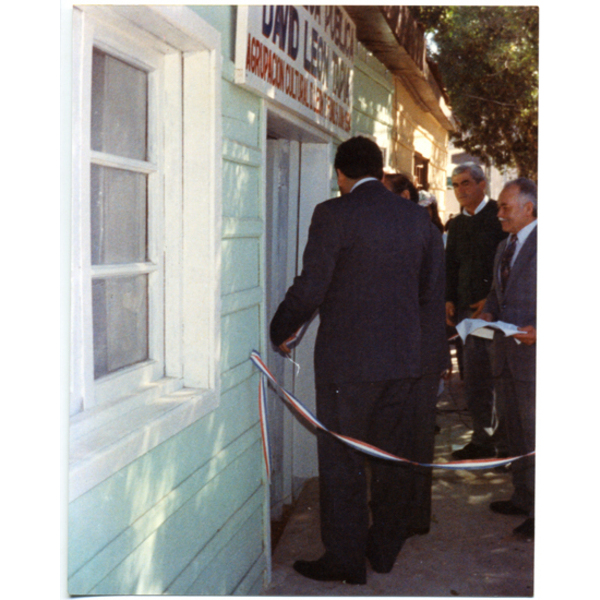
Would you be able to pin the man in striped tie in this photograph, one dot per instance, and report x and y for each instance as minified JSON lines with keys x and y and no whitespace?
{"x":512,"y":299}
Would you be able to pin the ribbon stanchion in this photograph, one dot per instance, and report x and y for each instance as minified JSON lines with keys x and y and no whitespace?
{"x":301,"y":410}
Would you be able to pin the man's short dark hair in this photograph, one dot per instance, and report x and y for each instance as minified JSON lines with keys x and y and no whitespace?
{"x":400,"y":182}
{"x":359,"y":157}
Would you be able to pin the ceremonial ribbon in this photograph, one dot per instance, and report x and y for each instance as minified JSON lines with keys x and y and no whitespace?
{"x":300,"y":409}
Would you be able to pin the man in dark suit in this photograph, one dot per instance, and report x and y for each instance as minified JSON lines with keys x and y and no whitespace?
{"x":473,"y":237}
{"x":373,"y":267}
{"x":512,"y":299}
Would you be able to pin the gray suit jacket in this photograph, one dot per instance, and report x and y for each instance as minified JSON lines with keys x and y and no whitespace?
{"x":517,"y":305}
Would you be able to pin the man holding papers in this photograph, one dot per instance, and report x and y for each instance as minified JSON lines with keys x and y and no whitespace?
{"x":512,"y":299}
{"x":473,"y":237}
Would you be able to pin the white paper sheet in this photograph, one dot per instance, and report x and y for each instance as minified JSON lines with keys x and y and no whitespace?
{"x":481,"y":328}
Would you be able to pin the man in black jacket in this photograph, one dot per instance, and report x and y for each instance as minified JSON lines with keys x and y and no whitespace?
{"x":373,"y":267}
{"x":473,"y":237}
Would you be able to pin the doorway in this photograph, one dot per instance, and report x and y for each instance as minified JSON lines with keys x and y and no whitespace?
{"x":297,"y":179}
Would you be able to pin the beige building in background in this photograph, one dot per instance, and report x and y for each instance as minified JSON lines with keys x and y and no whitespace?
{"x":417,"y":141}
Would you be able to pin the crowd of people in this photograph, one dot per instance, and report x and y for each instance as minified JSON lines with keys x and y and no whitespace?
{"x":389,"y":282}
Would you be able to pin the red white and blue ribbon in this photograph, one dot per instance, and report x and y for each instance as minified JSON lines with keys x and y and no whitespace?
{"x":300,"y":409}
{"x":262,"y":409}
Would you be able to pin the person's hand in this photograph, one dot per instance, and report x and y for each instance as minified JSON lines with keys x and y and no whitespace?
{"x":284,"y":349}
{"x":529,"y":338}
{"x":477,"y":308}
{"x":450,"y":312}
{"x":447,"y":374}
{"x":486,"y":317}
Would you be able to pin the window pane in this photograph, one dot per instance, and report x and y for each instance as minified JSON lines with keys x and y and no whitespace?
{"x":119,"y":107}
{"x":119,"y":216}
{"x":120,"y":315}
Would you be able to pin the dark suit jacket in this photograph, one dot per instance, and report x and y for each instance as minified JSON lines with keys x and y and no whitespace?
{"x":517,"y":305}
{"x":470,"y":250}
{"x":374,"y":268}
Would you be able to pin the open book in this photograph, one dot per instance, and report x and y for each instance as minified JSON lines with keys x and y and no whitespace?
{"x":484,"y":329}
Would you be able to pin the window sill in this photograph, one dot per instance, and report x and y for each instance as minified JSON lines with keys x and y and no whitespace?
{"x":105,"y":439}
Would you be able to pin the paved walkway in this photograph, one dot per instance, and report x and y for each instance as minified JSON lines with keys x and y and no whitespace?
{"x":470,"y":551}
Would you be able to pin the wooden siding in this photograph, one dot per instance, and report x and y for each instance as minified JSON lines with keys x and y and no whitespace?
{"x":187,"y":518}
{"x":222,"y":18}
{"x":373,"y":99}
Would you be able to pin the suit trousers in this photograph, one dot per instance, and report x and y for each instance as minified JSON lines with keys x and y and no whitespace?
{"x":518,"y":407}
{"x":479,"y":390}
{"x":398,"y":417}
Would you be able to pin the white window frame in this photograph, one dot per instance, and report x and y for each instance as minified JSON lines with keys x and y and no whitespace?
{"x":135,"y":52}
{"x":124,"y":415}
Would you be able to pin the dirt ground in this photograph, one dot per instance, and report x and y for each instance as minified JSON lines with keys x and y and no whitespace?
{"x":469,"y":551}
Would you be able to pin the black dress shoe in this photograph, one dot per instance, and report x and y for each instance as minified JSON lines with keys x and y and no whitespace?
{"x":506,"y":507}
{"x":417,"y":531}
{"x":324,"y":569}
{"x":525,"y":530}
{"x":382,"y":562}
{"x":472,"y":450}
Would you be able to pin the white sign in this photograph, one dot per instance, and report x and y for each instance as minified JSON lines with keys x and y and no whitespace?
{"x":301,"y":57}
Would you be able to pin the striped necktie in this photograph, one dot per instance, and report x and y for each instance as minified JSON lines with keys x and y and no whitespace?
{"x":507,"y":256}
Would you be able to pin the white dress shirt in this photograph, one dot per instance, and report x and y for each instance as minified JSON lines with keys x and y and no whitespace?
{"x":363,"y":181}
{"x":478,"y":209}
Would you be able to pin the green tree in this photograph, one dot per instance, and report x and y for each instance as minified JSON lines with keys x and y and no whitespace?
{"x":488,"y":57}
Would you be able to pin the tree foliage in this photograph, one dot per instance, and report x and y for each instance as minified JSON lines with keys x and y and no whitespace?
{"x":488,"y":57}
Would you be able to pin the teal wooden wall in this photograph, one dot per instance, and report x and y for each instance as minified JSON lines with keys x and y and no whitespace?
{"x":187,"y":518}
{"x":223,"y":19}
{"x":373,"y":99}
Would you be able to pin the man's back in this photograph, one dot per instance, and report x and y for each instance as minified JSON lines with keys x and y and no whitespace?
{"x":374,"y":267}
{"x":367,"y":266}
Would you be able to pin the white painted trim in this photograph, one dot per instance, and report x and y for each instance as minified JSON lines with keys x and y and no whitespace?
{"x":81,"y":380}
{"x":241,"y":44}
{"x":173,"y":216}
{"x":177,"y":26}
{"x":116,"y":39}
{"x":125,"y":270}
{"x":128,"y":47}
{"x":103,"y":159}
{"x":105,"y":438}
{"x":201,"y":254}
{"x":156,"y":228}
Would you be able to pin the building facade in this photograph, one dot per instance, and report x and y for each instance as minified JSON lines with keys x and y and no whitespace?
{"x":203,"y":137}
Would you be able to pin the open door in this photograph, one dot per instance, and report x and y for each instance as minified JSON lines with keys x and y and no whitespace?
{"x":297,"y":179}
{"x":281,"y":213}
